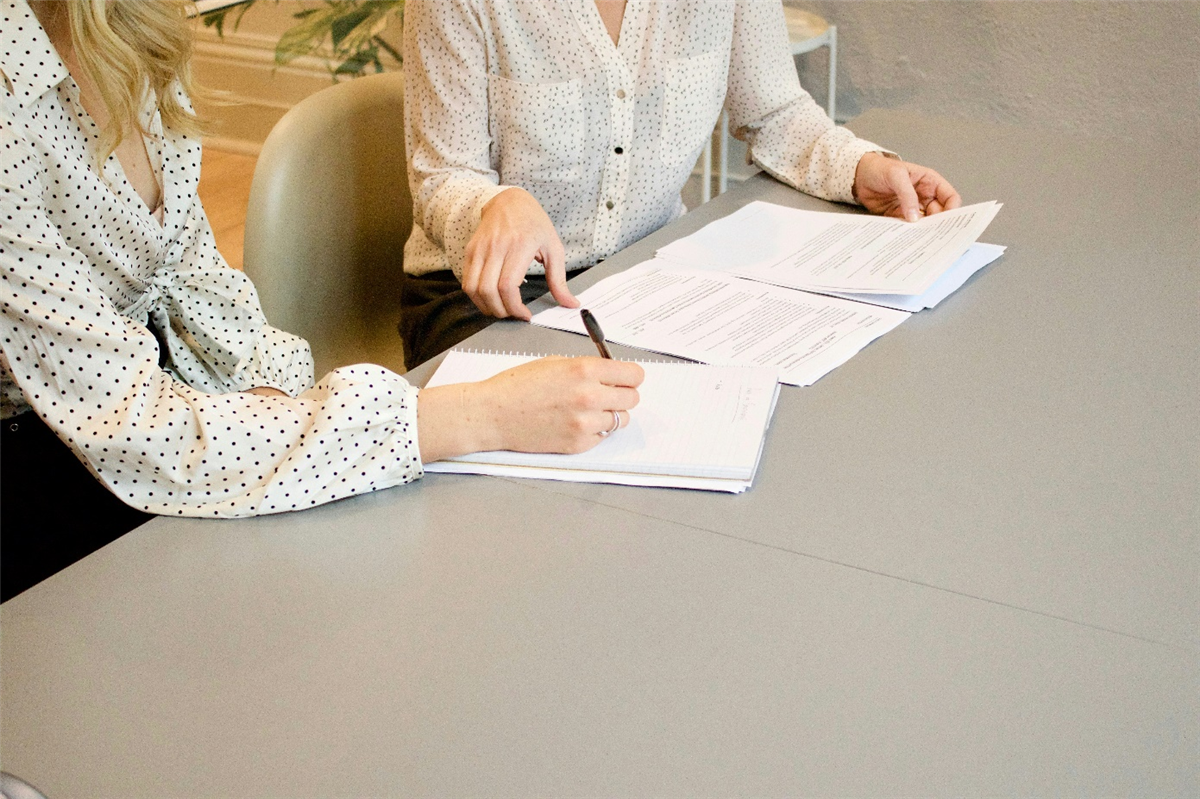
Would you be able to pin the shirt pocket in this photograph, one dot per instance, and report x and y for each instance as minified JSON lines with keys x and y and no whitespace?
{"x":537,"y":129}
{"x":693,"y":92}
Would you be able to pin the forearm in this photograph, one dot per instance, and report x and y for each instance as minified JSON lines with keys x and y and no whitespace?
{"x":799,"y":146}
{"x":547,"y":405}
{"x":790,"y":136}
{"x":452,"y":420}
{"x":446,"y":120}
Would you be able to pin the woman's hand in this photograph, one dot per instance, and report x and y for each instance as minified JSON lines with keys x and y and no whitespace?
{"x":513,"y":232}
{"x":891,"y":187}
{"x":548,"y":405}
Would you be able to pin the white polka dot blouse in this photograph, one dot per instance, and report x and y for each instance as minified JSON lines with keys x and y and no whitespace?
{"x":502,"y":93}
{"x":86,"y":270}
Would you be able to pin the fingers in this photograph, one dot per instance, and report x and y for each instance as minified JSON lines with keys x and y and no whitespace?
{"x":559,"y":404}
{"x":512,"y":275}
{"x":947,"y":196}
{"x":611,"y":421}
{"x":481,"y":270}
{"x":935,"y":192}
{"x":617,"y":398}
{"x":601,"y":383}
{"x":615,"y":373}
{"x":493,"y":281}
{"x":902,"y":189}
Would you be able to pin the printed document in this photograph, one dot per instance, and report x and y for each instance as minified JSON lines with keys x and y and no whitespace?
{"x":717,"y":318}
{"x":833,"y":252}
{"x":977,"y":256}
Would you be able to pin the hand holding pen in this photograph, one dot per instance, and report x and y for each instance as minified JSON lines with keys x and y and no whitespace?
{"x":597,"y":336}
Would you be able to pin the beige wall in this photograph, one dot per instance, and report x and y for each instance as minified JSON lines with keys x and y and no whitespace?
{"x":242,"y":65}
{"x":1113,"y":67}
{"x":1101,"y":66}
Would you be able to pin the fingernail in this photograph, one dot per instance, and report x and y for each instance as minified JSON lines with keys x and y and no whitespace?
{"x":912,"y":216}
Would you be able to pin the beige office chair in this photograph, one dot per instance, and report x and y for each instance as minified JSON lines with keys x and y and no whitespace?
{"x":329,"y":213}
{"x":12,"y":787}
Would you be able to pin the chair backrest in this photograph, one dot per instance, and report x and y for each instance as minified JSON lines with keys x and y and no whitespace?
{"x":12,"y":787}
{"x":329,"y":213}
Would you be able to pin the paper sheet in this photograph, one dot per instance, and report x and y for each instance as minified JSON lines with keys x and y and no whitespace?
{"x":977,"y":256}
{"x":579,"y":476}
{"x":833,"y":252}
{"x":720,"y":319}
{"x":695,"y":427}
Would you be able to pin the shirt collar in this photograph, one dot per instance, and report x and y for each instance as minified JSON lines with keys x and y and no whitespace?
{"x":27,"y":58}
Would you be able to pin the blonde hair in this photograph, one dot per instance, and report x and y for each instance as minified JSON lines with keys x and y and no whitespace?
{"x":129,"y":48}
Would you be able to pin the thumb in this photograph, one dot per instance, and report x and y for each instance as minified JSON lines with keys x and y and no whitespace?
{"x":910,"y":206}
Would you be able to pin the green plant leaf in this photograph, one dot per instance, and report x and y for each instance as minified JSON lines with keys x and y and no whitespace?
{"x":357,"y":63}
{"x":352,"y":28}
{"x":387,"y":48}
{"x":215,"y":20}
{"x":305,"y":37}
{"x":345,"y":24}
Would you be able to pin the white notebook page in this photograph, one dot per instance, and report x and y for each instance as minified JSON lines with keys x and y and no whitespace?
{"x":692,"y":421}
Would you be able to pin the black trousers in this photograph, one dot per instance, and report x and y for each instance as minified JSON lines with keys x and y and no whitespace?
{"x":437,"y":313}
{"x":53,"y":512}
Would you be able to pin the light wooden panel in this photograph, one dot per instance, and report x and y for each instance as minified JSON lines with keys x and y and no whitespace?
{"x":225,"y":191}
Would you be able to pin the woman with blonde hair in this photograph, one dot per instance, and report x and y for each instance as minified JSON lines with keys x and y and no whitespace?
{"x":138,"y":374}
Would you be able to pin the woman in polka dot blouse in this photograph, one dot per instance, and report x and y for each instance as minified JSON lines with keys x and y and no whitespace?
{"x":134,"y":357}
{"x":546,"y":136}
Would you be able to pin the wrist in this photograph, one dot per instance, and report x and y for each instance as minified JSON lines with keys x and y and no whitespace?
{"x":451,"y":420}
{"x":865,"y":163}
{"x":267,"y":391}
{"x":506,"y":194}
{"x":477,"y":414}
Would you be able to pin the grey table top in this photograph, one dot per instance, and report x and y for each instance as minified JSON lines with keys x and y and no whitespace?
{"x":970,"y":565}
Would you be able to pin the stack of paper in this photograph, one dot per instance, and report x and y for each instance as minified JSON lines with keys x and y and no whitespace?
{"x":831,"y":252}
{"x":747,"y":289}
{"x":977,"y":256}
{"x":695,"y":426}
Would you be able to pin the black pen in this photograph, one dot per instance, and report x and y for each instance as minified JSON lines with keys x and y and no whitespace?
{"x":594,"y":331}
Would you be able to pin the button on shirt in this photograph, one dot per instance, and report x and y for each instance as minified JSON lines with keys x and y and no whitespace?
{"x":503,"y":93}
{"x":86,"y":270}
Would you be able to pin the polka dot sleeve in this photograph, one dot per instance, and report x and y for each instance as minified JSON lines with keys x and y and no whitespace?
{"x":446,"y":81}
{"x":92,"y":374}
{"x":790,"y":136}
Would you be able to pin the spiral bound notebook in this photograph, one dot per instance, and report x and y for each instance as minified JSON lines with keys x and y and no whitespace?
{"x":696,"y":426}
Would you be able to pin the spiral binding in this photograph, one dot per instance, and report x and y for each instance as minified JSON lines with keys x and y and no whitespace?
{"x":516,"y":354}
